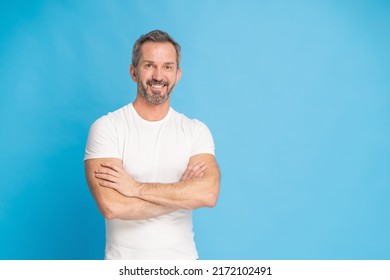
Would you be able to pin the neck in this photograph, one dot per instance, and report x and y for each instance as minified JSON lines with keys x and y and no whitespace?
{"x":150,"y":112}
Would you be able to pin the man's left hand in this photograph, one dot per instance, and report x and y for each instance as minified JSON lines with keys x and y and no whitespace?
{"x":115,"y":177}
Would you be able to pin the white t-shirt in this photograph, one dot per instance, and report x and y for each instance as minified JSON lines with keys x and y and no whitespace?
{"x":151,"y":152}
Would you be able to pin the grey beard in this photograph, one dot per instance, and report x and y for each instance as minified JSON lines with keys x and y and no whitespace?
{"x":156,"y":98}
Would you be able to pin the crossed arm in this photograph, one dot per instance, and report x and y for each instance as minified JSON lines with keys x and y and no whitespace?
{"x":119,"y":196}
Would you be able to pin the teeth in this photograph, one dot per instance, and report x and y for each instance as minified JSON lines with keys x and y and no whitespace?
{"x":157,"y":86}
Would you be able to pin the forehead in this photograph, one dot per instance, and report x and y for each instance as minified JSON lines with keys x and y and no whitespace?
{"x":163,"y":52}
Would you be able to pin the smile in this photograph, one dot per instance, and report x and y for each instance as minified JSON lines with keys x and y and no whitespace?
{"x":157,"y":86}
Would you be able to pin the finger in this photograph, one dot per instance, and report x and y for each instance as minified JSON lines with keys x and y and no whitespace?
{"x":198,"y":165}
{"x":106,"y":170}
{"x":199,"y":171}
{"x":193,"y":166}
{"x":184,"y":176}
{"x":107,"y":184}
{"x":110,"y":166}
{"x":106,"y":177}
{"x":193,"y":170}
{"x":196,"y":169}
{"x":194,"y":174}
{"x":187,"y":173}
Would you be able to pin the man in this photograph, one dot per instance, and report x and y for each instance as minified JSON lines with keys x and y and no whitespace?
{"x":148,"y":166}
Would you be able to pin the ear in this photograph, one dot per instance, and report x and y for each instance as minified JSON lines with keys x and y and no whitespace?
{"x":133,"y":73}
{"x":178,"y":75}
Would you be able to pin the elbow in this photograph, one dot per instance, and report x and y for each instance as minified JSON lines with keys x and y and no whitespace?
{"x":211,"y":200}
{"x":109,"y":212}
{"x":212,"y":196}
{"x":207,"y":200}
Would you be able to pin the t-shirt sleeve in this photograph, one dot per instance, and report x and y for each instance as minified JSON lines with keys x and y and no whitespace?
{"x":203,"y":142}
{"x":102,"y":140}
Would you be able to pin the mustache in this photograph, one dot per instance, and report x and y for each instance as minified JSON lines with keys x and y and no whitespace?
{"x":153,"y":82}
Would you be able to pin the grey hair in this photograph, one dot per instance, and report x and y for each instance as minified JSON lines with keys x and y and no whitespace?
{"x":154,"y":36}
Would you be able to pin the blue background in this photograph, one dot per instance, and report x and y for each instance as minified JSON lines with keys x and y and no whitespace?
{"x":296,"y":94}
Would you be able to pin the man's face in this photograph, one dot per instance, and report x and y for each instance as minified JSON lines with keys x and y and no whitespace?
{"x":157,"y":73}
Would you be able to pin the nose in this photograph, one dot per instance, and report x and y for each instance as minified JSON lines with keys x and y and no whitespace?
{"x":157,"y":74}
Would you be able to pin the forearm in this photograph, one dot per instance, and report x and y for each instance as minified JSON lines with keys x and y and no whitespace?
{"x":192,"y":192}
{"x":189,"y":194}
{"x":198,"y":187}
{"x":131,"y":208}
{"x":114,"y":205}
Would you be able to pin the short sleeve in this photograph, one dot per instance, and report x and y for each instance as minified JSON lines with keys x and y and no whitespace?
{"x":203,"y":142}
{"x":102,"y":140}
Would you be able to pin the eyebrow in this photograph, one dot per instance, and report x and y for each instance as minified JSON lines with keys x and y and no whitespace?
{"x":166,"y":63}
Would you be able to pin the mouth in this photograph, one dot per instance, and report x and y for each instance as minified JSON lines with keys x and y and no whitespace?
{"x":157,"y":84}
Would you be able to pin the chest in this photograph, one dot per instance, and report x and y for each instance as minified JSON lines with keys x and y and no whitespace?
{"x":157,"y":153}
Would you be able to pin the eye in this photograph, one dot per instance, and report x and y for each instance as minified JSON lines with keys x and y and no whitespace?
{"x":148,"y":65}
{"x":168,"y":67}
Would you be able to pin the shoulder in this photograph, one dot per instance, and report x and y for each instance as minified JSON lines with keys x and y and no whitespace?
{"x":187,"y":123}
{"x":197,"y":133}
{"x":112,"y":119}
{"x":105,"y":134}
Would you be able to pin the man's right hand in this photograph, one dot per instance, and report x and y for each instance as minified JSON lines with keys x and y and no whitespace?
{"x":194,"y":170}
